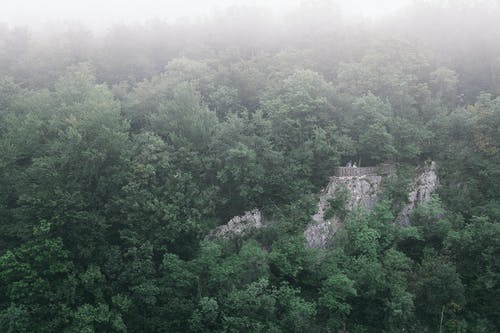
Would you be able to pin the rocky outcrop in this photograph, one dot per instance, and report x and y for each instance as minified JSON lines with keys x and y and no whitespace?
{"x":362,"y":191}
{"x":239,"y":225}
{"x":424,"y":184}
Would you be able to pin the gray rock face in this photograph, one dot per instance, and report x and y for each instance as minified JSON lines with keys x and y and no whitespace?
{"x":362,"y":192}
{"x":423,"y":186}
{"x":239,"y":225}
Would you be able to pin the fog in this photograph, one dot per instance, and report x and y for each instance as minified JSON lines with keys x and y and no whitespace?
{"x":135,"y":39}
{"x":249,"y":166}
{"x":98,"y":13}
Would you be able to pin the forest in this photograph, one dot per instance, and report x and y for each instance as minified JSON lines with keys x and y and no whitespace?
{"x":121,"y":151}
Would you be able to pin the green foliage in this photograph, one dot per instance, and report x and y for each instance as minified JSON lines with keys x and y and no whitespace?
{"x":438,"y":286}
{"x":338,"y":204}
{"x":288,"y":258}
{"x":38,"y":285}
{"x":333,"y":303}
{"x":396,"y":187}
{"x":119,"y":157}
{"x":474,"y":249}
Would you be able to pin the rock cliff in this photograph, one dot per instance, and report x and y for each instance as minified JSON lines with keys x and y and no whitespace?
{"x":239,"y":225}
{"x":362,"y":192}
{"x":424,"y":184}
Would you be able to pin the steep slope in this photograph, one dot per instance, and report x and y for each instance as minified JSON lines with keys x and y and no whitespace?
{"x":362,"y":192}
{"x":239,"y":225}
{"x":424,"y":184}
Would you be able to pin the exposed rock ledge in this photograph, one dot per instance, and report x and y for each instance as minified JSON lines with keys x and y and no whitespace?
{"x":363,"y":192}
{"x":239,"y":225}
{"x":422,"y":188}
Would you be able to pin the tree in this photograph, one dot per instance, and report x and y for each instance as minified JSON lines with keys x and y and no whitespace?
{"x":333,"y":304}
{"x":38,"y":285}
{"x":376,"y":144}
{"x":438,"y":287}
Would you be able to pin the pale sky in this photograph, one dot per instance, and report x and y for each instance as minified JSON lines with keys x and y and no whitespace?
{"x":99,"y":13}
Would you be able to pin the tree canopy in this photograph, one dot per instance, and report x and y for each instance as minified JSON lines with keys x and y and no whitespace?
{"x":120,"y":153}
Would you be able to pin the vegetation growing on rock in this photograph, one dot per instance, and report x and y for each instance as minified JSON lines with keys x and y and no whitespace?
{"x":118,"y":156}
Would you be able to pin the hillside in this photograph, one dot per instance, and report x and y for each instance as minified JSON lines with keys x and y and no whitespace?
{"x":133,"y":161}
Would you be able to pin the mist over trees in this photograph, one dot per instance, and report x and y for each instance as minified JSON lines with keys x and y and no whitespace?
{"x":121,"y":150}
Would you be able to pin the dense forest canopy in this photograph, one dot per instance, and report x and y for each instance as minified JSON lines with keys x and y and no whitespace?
{"x":120,"y":151}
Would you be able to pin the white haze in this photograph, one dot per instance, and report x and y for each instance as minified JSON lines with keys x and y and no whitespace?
{"x":103,"y":13}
